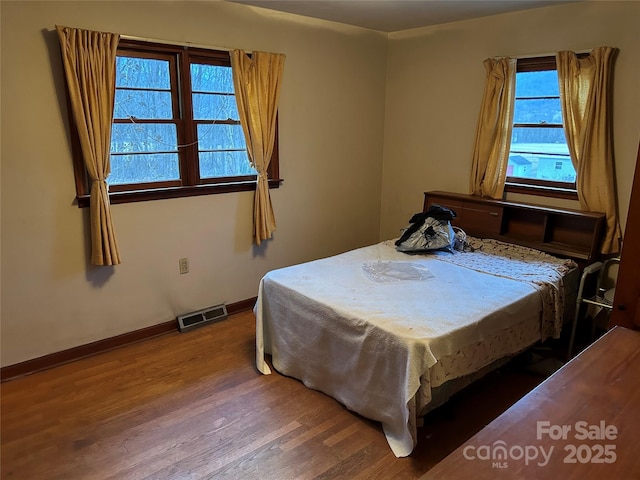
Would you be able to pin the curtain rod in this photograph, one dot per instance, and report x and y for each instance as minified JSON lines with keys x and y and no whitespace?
{"x":181,"y":44}
{"x":169,"y":42}
{"x":552,"y":54}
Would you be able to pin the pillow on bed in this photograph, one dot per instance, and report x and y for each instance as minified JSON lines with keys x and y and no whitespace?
{"x":428,"y":231}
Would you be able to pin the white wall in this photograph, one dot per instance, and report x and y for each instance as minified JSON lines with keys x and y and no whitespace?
{"x":331,"y":130}
{"x":435,"y":79}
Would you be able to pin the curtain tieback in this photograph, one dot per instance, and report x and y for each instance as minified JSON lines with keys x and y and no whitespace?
{"x":99,"y":182}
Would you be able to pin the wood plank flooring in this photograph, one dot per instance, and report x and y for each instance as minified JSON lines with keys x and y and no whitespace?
{"x":193,"y":406}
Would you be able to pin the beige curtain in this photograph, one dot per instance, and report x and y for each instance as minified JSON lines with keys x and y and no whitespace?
{"x":585,"y":96}
{"x":493,"y":134}
{"x":90,"y":67}
{"x":257,"y":81}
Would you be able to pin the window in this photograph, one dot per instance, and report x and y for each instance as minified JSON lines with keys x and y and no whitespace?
{"x":539,"y":161}
{"x":176,"y":129}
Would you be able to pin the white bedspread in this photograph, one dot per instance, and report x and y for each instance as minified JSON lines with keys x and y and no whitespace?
{"x":367,"y":343}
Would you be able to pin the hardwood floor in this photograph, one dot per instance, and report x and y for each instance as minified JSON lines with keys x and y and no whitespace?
{"x":192,"y":406}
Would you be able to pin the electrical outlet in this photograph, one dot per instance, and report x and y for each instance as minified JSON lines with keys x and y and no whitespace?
{"x":184,"y":265}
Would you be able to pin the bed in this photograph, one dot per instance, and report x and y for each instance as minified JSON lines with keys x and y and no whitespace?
{"x":385,"y":333}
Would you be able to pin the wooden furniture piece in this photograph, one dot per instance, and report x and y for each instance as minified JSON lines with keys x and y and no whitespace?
{"x":596,"y":396}
{"x":559,"y":231}
{"x":626,"y":303}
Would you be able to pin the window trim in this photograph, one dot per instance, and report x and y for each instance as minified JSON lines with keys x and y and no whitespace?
{"x":170,"y":189}
{"x":546,"y":188}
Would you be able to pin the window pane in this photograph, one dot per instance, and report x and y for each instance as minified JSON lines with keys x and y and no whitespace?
{"x":142,"y":73}
{"x":220,"y":137}
{"x":143,"y":137}
{"x":551,"y":139}
{"x":154,"y":167}
{"x":149,"y":104}
{"x":211,"y":78}
{"x":539,"y":152}
{"x":537,"y":84}
{"x":538,"y":111}
{"x":165,"y":96}
{"x":225,"y":164}
{"x":209,"y":106}
{"x":541,"y":167}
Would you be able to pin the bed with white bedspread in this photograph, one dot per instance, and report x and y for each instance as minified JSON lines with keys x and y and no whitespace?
{"x":378,"y":329}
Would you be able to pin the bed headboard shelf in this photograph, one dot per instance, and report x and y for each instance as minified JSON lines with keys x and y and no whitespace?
{"x":562,"y":232}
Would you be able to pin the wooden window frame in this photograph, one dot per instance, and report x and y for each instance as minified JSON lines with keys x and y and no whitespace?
{"x":189,"y":183}
{"x":527,"y":186}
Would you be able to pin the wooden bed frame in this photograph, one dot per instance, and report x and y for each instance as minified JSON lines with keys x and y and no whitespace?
{"x":561,"y":232}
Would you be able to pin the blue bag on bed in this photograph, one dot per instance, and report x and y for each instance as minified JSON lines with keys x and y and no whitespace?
{"x":428,"y":231}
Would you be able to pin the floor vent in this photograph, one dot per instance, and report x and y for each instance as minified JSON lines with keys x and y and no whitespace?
{"x":202,"y":317}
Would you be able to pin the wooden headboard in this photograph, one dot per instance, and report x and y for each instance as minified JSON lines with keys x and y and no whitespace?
{"x":559,"y":231}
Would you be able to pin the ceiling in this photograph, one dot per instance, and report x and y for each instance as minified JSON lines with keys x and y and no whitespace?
{"x":396,"y":15}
